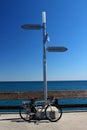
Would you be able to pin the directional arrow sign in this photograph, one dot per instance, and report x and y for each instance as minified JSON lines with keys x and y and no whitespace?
{"x":32,"y":26}
{"x":56,"y":49}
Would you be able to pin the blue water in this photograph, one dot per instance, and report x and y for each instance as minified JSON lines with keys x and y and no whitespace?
{"x":38,"y":85}
{"x":35,"y":86}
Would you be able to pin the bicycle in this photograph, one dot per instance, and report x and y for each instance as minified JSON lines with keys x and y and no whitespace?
{"x":40,"y":110}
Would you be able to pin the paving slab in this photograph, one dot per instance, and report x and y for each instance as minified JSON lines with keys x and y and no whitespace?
{"x":69,"y":121}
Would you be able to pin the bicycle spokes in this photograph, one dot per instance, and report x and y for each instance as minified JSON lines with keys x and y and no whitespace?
{"x":53,"y":113}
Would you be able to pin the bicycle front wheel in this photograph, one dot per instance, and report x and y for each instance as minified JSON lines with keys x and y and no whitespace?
{"x":53,"y":113}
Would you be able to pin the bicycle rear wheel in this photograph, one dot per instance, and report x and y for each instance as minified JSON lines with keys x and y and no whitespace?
{"x":53,"y":113}
{"x":26,"y":114}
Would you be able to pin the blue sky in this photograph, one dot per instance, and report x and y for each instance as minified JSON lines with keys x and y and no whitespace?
{"x":21,"y":51}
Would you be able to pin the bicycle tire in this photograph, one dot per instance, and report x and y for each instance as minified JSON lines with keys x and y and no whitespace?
{"x":26,"y":114}
{"x":53,"y":113}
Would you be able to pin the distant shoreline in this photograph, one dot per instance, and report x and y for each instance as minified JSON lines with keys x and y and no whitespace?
{"x":47,"y":81}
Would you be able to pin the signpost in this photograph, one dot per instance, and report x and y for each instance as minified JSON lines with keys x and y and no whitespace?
{"x":49,"y":49}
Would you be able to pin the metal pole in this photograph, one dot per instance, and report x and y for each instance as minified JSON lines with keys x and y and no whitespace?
{"x":44,"y":55}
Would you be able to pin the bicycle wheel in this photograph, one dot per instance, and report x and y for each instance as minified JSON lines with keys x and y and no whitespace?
{"x":53,"y":113}
{"x":26,"y":114}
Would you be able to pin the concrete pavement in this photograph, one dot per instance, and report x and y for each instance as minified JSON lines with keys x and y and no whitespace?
{"x":69,"y":121}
